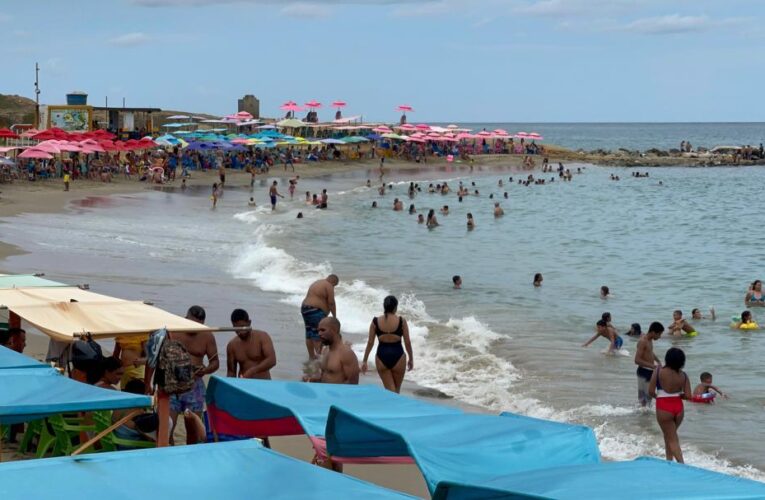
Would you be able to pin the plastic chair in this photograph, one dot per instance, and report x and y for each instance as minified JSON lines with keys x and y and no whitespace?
{"x":64,"y":436}
{"x":112,"y":442}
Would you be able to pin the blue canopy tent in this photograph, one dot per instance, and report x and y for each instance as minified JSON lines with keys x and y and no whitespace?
{"x":637,"y":479}
{"x":240,"y":469}
{"x":31,"y":392}
{"x":461,"y":446}
{"x":262,"y":408}
{"x":10,"y":359}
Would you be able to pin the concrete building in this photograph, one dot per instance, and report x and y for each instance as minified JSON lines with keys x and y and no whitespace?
{"x":251,"y":104}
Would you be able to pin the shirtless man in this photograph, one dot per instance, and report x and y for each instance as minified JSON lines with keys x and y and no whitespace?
{"x":339,"y":365}
{"x":646,"y":361}
{"x":251,"y":353}
{"x":680,"y":326}
{"x":199,"y":345}
{"x":602,"y":330}
{"x":498,"y":212}
{"x":273,"y":193}
{"x":318,"y":303}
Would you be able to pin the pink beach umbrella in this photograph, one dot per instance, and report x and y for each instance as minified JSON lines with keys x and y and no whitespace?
{"x":382,"y":129}
{"x":407,"y":126}
{"x":36,"y":153}
{"x":422,"y":126}
{"x":501,"y":132}
{"x":521,"y":135}
{"x":313,"y":104}
{"x":339,"y":104}
{"x":411,"y":138}
{"x":534,"y":136}
{"x":49,"y":146}
{"x":465,"y":135}
{"x":484,"y":133}
{"x":405,"y":108}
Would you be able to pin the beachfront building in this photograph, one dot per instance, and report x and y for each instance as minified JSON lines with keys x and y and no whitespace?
{"x":250,"y":104}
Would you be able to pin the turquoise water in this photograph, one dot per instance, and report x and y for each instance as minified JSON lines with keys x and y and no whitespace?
{"x":499,"y":342}
{"x":641,"y":136}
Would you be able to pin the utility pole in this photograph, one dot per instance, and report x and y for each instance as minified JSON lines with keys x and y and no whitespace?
{"x":37,"y":96}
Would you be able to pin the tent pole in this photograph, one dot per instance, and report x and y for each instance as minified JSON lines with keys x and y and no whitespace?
{"x":163,"y":410}
{"x":104,"y":432}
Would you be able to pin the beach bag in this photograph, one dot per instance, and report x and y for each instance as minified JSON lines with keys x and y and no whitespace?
{"x":175,"y":373}
{"x":86,"y":354}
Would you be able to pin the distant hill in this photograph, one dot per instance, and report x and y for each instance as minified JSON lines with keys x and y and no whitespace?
{"x":16,"y":109}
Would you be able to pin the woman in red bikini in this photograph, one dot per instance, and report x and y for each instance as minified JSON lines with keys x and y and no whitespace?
{"x":669,"y":386}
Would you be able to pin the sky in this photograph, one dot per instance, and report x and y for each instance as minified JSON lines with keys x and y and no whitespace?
{"x":451,"y":60}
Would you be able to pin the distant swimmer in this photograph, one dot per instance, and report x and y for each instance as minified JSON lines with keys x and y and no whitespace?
{"x":498,"y":212}
{"x":374,"y":204}
{"x":397,"y":205}
{"x":445,"y":210}
{"x":604,"y":292}
{"x":420,"y":219}
{"x":745,"y":322}
{"x":308,"y":200}
{"x":705,"y":390}
{"x":412,"y":210}
{"x":299,"y":215}
{"x":647,"y":361}
{"x":273,"y":192}
{"x":252,"y":203}
{"x":635,"y":330}
{"x":754,"y":296}
{"x":680,"y":326}
{"x":500,"y":183}
{"x":318,"y":303}
{"x":470,"y":222}
{"x":457,"y":281}
{"x":505,"y":195}
{"x":369,"y":183}
{"x":431,"y":221}
{"x":538,"y":279}
{"x":602,"y":330}
{"x":669,"y":386}
{"x":697,"y":316}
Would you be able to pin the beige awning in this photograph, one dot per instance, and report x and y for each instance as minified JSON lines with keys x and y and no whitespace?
{"x":64,"y":313}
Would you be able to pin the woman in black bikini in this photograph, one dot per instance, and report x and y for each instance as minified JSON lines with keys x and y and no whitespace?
{"x":390,"y":329}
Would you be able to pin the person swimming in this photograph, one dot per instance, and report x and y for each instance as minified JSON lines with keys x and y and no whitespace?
{"x":746,"y":322}
{"x":680,"y":326}
{"x":754,"y":296}
{"x":697,"y":316}
{"x":470,"y":221}
{"x":538,"y":279}
{"x":604,"y":292}
{"x":635,"y":330}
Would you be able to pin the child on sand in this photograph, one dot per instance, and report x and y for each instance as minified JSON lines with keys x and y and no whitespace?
{"x":706,"y":388}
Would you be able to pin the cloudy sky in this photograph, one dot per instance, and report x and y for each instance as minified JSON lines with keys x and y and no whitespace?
{"x":453,"y":60}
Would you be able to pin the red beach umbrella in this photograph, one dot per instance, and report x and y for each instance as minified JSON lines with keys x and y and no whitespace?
{"x":6,"y":133}
{"x":339,"y":104}
{"x":313,"y":104}
{"x":405,"y":108}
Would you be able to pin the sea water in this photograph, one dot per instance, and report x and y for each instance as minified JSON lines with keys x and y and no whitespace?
{"x":499,"y":342}
{"x":636,"y":136}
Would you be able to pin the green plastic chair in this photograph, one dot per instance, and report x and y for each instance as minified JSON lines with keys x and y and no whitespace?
{"x":60,"y":435}
{"x":112,"y":442}
{"x":32,"y":431}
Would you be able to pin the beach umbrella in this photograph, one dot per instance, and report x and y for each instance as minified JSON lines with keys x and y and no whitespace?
{"x":521,"y":135}
{"x":452,"y":126}
{"x":6,"y":133}
{"x":49,"y":146}
{"x":535,"y":136}
{"x":29,"y":133}
{"x":45,"y":135}
{"x":422,"y":126}
{"x":406,"y":126}
{"x":36,"y":153}
{"x":6,"y":161}
{"x":339,"y":104}
{"x":484,"y":134}
{"x":500,"y":131}
{"x":415,"y":139}
{"x":313,"y":104}
{"x":178,"y":117}
{"x":382,"y":129}
{"x":332,"y":141}
{"x":405,"y":108}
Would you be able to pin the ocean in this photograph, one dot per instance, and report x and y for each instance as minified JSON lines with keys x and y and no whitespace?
{"x":498,"y":343}
{"x":635,"y":136}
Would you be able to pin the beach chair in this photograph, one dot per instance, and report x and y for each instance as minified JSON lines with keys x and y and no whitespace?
{"x":112,"y":442}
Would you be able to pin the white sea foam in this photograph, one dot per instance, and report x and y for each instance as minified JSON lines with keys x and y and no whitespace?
{"x":456,"y":357}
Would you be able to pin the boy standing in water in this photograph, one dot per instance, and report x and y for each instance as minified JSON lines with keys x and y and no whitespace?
{"x":602,"y":330}
{"x":646,"y":361}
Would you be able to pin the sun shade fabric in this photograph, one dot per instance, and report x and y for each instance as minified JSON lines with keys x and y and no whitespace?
{"x":30,"y":394}
{"x":308,"y":404}
{"x":235,"y":469}
{"x":10,"y":359}
{"x":462,"y":447}
{"x":52,"y":311}
{"x":636,"y":479}
{"x":25,"y":281}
